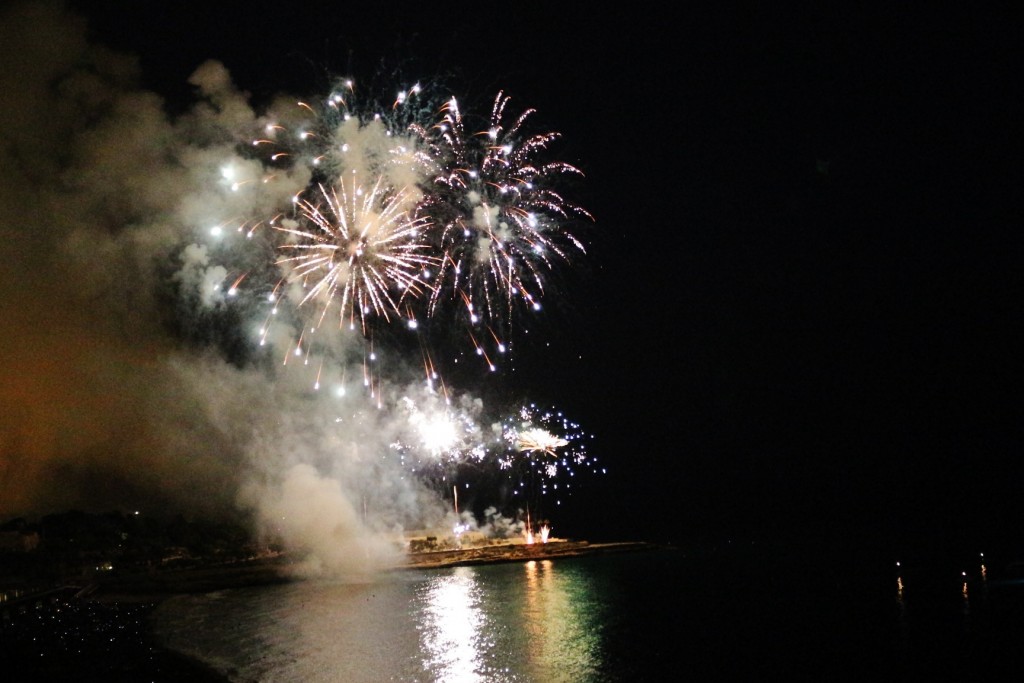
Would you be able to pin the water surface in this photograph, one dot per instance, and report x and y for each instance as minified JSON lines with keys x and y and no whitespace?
{"x":633,"y":616}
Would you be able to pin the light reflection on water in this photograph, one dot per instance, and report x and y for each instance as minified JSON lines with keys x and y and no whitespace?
{"x":452,"y":626}
{"x":562,"y":620}
{"x":626,"y":617}
{"x":538,"y":621}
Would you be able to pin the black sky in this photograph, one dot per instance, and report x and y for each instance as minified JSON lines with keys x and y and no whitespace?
{"x":800,"y":312}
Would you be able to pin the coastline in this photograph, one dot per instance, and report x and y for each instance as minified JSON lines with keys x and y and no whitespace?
{"x":520,"y":552}
{"x":160,"y":585}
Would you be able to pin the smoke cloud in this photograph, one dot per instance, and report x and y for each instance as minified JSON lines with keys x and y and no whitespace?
{"x":124,"y":383}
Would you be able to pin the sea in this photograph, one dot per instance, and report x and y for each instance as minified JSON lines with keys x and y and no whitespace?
{"x":731,"y":612}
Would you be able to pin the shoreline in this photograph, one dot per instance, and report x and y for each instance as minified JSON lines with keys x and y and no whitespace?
{"x":520,"y":552}
{"x":159,"y":585}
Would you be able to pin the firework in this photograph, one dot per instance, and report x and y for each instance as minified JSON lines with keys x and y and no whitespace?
{"x":449,"y":220}
{"x":536,"y":439}
{"x":357,"y":246}
{"x":541,"y":452}
{"x":369,"y":214}
{"x":546,"y":453}
{"x":439,"y":432}
{"x":503,"y":224}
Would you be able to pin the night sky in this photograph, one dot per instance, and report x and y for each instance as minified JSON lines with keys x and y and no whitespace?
{"x":799,"y":315}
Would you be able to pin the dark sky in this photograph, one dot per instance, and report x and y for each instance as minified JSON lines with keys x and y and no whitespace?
{"x":800,"y":309}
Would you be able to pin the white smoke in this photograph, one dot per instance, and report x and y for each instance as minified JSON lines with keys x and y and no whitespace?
{"x":105,"y":201}
{"x":198,"y":277}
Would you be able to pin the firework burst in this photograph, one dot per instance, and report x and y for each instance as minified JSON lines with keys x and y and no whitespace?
{"x":358,"y":247}
{"x":545,"y":453}
{"x":404,"y":210}
{"x":451,"y":220}
{"x":440,"y":432}
{"x":502,"y":223}
{"x":536,"y":440}
{"x":540,"y":453}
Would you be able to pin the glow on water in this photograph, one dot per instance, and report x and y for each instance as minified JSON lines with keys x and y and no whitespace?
{"x":534,"y":621}
{"x":452,"y":631}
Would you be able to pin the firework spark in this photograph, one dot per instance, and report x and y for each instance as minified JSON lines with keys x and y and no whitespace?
{"x":409,"y":212}
{"x":535,"y":439}
{"x":358,"y":246}
{"x":503,"y":225}
{"x":451,"y":220}
{"x":546,"y":453}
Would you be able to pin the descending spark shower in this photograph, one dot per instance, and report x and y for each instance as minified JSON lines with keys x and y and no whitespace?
{"x":263,"y":308}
